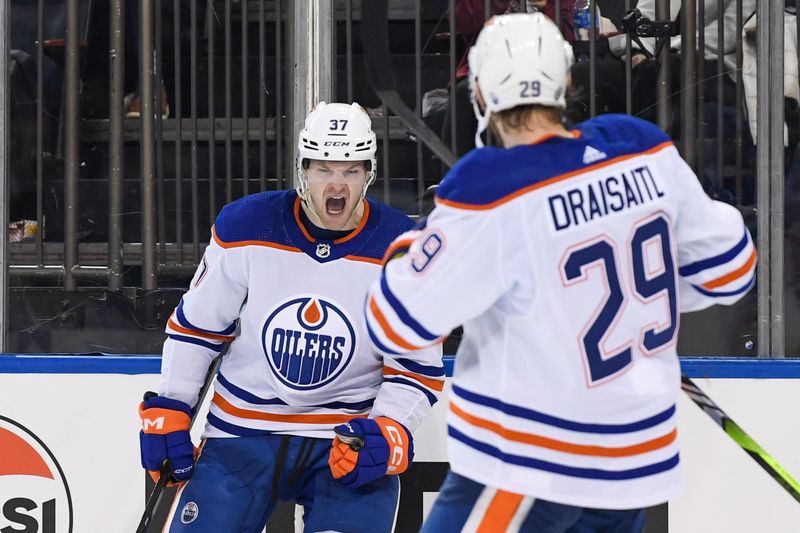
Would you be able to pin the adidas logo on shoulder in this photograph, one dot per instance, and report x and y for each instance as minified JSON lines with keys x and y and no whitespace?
{"x":592,"y":154}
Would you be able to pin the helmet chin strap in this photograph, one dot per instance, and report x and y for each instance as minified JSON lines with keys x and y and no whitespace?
{"x":302,"y":191}
{"x":312,"y":214}
{"x":370,"y":180}
{"x":483,"y":123}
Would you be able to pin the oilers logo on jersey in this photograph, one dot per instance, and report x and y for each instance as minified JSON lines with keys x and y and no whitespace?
{"x":298,"y":361}
{"x":308,"y":342}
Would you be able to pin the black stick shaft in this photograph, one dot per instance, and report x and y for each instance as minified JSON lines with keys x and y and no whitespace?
{"x":154,"y":499}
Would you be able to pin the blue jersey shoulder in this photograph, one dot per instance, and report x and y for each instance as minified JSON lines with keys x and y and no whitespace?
{"x":257,"y":217}
{"x":488,"y":176}
{"x":622,"y":134}
{"x":393,"y":221}
{"x":390,"y":223}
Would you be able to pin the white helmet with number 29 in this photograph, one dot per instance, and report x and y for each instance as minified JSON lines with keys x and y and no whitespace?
{"x":518,"y":59}
{"x":336,"y":132}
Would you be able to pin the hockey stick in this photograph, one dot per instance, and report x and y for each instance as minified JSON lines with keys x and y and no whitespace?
{"x":375,"y":41}
{"x":740,"y":437}
{"x":166,"y":467}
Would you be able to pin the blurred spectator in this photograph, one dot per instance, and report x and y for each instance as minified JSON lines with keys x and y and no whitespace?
{"x":132,"y":36}
{"x":548,"y":7}
{"x":711,"y":17}
{"x":22,"y":145}
{"x":609,"y":84}
{"x":470,"y":17}
{"x":470,"y":20}
{"x":610,"y":93}
{"x":791,"y":90}
{"x":645,"y":73}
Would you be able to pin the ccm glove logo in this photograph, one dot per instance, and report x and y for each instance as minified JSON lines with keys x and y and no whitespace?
{"x":160,"y":421}
{"x":367,"y":449}
{"x":165,"y":436}
{"x":395,"y":439}
{"x":148,"y":424}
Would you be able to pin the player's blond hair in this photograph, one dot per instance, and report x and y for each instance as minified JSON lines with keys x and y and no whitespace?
{"x":520,"y":117}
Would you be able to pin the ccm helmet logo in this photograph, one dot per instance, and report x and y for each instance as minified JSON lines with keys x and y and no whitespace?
{"x":396,"y":458}
{"x":336,"y":143}
{"x":157,"y":423}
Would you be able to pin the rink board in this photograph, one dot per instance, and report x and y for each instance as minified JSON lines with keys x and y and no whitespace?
{"x":79,"y":415}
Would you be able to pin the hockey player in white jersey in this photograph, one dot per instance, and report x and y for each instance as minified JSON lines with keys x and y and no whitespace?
{"x":568,"y":257}
{"x":283,"y":280}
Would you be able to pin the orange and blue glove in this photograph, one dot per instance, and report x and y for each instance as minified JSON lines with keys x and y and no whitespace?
{"x":165,"y":435}
{"x":365,"y":449}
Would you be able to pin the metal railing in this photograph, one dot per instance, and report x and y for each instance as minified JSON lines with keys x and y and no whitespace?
{"x":236,"y":102}
{"x":163,"y":224}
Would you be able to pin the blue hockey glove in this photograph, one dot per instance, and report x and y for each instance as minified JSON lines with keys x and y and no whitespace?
{"x":366,"y":449}
{"x":165,"y":435}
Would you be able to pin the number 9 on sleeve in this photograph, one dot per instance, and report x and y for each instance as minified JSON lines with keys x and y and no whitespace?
{"x":422,"y":257}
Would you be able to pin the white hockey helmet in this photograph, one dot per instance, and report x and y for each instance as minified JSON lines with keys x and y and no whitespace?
{"x":518,"y":59}
{"x":336,"y":132}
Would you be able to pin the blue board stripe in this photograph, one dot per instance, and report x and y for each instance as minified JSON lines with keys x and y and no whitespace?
{"x":740,"y":368}
{"x":694,"y":367}
{"x":572,"y":471}
{"x":80,"y":364}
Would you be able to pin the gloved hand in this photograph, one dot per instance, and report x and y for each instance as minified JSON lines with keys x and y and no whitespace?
{"x":386,"y":447}
{"x":165,"y":435}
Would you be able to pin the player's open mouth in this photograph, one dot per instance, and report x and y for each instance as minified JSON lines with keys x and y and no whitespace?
{"x":335,"y":205}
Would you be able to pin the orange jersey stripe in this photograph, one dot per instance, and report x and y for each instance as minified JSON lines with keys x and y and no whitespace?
{"x":226,"y":406}
{"x":574,"y":134}
{"x":363,"y":259}
{"x":239,"y":244}
{"x":500,"y":512}
{"x":210,"y":336}
{"x":732,"y":276}
{"x":568,"y":447}
{"x":550,"y":181}
{"x":392,"y":334}
{"x":435,"y":384}
{"x":299,"y":223}
{"x":360,"y":227}
{"x":346,"y":238}
{"x":396,"y":245}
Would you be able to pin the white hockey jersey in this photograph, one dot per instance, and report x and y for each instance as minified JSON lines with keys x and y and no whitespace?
{"x":568,"y":262}
{"x":292,"y":308}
